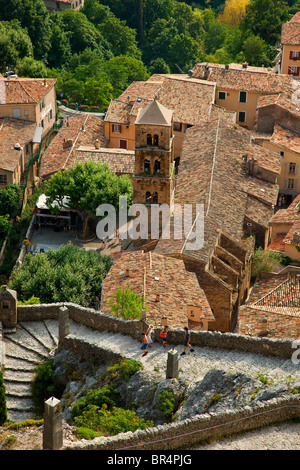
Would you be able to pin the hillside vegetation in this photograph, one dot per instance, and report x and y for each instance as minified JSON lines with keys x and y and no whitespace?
{"x":98,"y":51}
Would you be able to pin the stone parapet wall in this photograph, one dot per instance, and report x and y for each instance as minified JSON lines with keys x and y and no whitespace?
{"x":212,"y":339}
{"x":200,"y":428}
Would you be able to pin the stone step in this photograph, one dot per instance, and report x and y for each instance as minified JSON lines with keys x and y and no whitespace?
{"x":20,"y":375}
{"x":18,"y":389}
{"x":19,"y":404}
{"x":15,"y":363}
{"x":40,"y":333}
{"x":18,"y":350}
{"x":26,"y":340}
{"x":20,"y":415}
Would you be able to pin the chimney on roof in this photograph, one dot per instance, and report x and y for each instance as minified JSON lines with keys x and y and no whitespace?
{"x":245,"y":65}
{"x":264,"y":327}
{"x":296,"y":236}
{"x":67,"y":143}
{"x":245,"y":163}
{"x":97,"y":144}
{"x":127,"y":272}
{"x":227,"y":67}
{"x":157,"y":298}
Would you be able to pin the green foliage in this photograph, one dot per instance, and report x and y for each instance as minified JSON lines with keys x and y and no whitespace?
{"x":32,"y":16}
{"x":107,"y":395}
{"x":126,"y":304}
{"x":263,"y":261}
{"x":265,"y":18}
{"x":44,"y":385}
{"x":69,"y":274}
{"x":25,"y":424}
{"x":122,"y":371}
{"x":88,"y":185}
{"x":9,"y":199}
{"x":3,"y":409}
{"x":166,"y":403}
{"x":110,"y":422}
{"x":33,"y":300}
{"x":31,"y":68}
{"x":85,"y":433}
{"x":15,"y":44}
{"x":6,"y":227}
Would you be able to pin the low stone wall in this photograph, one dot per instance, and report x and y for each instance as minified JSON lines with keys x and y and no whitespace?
{"x":212,"y":339}
{"x":87,"y":351}
{"x":84,"y":316}
{"x":202,"y":427}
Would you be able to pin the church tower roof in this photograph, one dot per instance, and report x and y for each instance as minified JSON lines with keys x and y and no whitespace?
{"x":156,"y":114}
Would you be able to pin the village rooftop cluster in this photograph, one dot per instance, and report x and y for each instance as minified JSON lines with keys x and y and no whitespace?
{"x":226,"y":136}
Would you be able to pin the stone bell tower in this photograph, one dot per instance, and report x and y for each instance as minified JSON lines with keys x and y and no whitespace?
{"x":154,"y":174}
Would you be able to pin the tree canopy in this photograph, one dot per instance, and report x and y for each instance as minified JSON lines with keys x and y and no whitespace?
{"x":120,"y":41}
{"x":88,"y":185}
{"x":69,"y":274}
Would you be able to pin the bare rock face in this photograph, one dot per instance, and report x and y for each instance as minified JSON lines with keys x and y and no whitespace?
{"x":151,"y":397}
{"x":221,"y":391}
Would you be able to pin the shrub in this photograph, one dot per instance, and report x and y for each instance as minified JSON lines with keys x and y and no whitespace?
{"x":44,"y":385}
{"x":110,"y":422}
{"x":263,"y":261}
{"x":84,"y":433}
{"x":107,"y":395}
{"x":122,"y":371}
{"x":3,"y":409}
{"x":166,"y":403}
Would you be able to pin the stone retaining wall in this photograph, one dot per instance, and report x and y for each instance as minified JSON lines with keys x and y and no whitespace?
{"x":212,"y":339}
{"x":193,"y":431}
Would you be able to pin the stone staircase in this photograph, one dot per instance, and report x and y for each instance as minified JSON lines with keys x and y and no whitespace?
{"x":24,"y":350}
{"x":33,"y":342}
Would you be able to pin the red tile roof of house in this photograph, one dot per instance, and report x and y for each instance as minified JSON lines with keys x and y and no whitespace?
{"x":24,"y":90}
{"x":276,"y":299}
{"x":119,"y":161}
{"x":151,"y":274}
{"x":81,"y":129}
{"x":190,"y":100}
{"x":211,"y":173}
{"x":13,"y":131}
{"x":290,"y":31}
{"x":251,"y":79}
{"x":286,"y":138}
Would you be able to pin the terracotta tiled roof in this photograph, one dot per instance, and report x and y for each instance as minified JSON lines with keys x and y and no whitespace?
{"x":13,"y":131}
{"x":119,"y":160}
{"x":190,"y":100}
{"x":290,"y":31}
{"x":251,"y":79}
{"x":286,"y":138}
{"x":288,"y":101}
{"x":277,"y":299}
{"x":288,"y":215}
{"x":24,"y":90}
{"x":277,"y":244}
{"x":79,"y":130}
{"x":151,"y":274}
{"x":229,"y":197}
